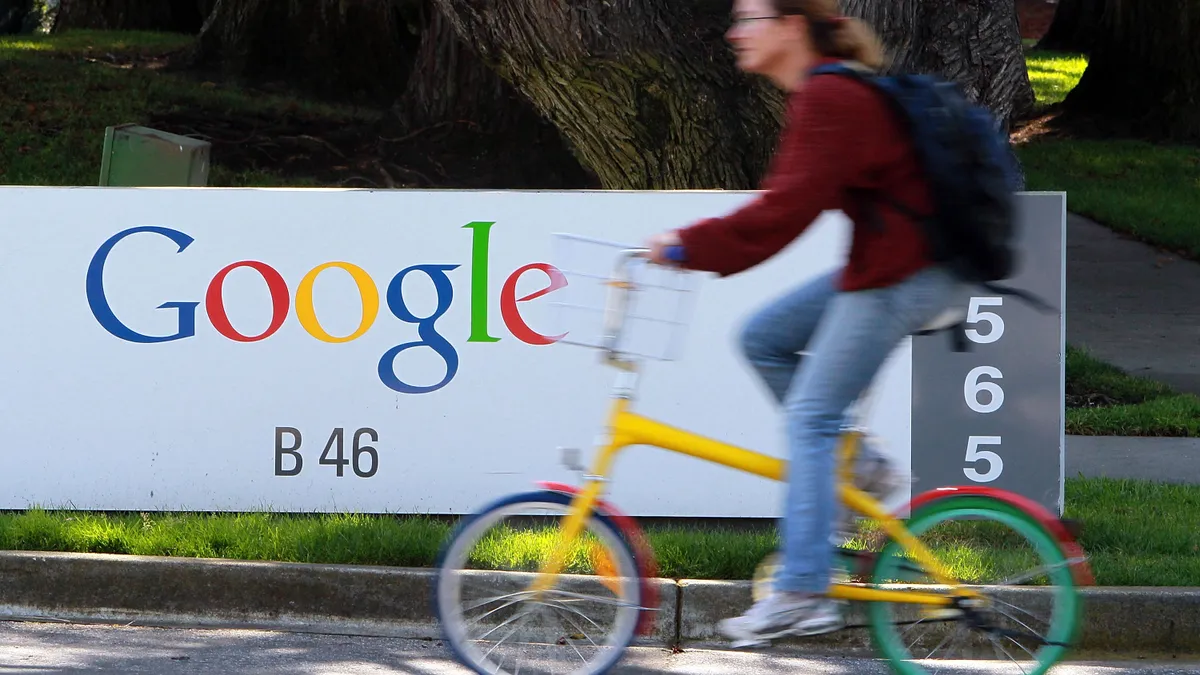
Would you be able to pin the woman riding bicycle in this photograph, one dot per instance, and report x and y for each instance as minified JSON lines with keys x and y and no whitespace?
{"x":839,"y":141}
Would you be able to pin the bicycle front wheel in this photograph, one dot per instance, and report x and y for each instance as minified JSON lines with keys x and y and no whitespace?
{"x":1030,"y":609}
{"x":496,"y":625}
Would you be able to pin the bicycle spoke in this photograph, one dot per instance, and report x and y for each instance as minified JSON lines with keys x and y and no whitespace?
{"x":944,"y":640}
{"x":577,"y":652}
{"x":1026,"y":649}
{"x":573,"y":611}
{"x":582,"y":631}
{"x":912,"y":626}
{"x":616,"y":602}
{"x":504,"y":623}
{"x":1013,"y":581}
{"x":1019,"y":609}
{"x":484,"y":616}
{"x":510,"y":634}
{"x":996,"y":645}
{"x":498,"y":597}
{"x":1034,"y":633}
{"x":501,"y":640}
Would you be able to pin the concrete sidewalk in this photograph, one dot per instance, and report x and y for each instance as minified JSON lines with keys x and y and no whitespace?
{"x":1133,"y":306}
{"x":1171,"y":460}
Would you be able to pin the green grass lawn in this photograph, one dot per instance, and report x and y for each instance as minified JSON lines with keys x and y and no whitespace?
{"x":1102,"y":400}
{"x":1148,"y":190}
{"x":1136,"y":532}
{"x":1142,"y":189}
{"x":61,"y":91}
{"x":1053,"y":74}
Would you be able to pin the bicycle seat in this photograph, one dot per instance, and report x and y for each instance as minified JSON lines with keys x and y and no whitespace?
{"x":949,"y":318}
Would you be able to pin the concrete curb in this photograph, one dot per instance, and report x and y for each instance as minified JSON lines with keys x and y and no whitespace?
{"x":148,"y":590}
{"x":1115,"y":618}
{"x":397,"y":602}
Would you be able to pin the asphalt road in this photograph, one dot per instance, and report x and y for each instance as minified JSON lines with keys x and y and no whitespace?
{"x":42,"y":648}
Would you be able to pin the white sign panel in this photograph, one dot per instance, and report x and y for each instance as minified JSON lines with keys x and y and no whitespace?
{"x":351,"y":350}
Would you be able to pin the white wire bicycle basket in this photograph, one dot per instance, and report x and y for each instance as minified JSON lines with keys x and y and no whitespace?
{"x":646,"y":318}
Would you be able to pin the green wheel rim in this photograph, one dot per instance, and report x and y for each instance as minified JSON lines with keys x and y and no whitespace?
{"x":1064,"y":624}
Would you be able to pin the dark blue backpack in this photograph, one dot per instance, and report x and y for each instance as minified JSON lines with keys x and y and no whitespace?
{"x":972,"y":171}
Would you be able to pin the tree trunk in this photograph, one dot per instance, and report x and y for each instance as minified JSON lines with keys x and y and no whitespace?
{"x":180,"y":16}
{"x":976,"y":43}
{"x":645,"y":92}
{"x":1075,"y":25}
{"x":359,"y":50}
{"x":451,"y":87}
{"x":1143,"y":76}
{"x":648,"y":95}
{"x":449,"y":83}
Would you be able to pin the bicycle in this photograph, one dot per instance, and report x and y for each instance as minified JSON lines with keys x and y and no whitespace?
{"x":588,"y":539}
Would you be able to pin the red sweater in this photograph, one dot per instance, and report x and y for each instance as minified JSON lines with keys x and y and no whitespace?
{"x":840,"y":134}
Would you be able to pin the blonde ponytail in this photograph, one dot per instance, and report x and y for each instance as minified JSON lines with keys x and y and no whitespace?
{"x":837,"y":36}
{"x":853,"y":39}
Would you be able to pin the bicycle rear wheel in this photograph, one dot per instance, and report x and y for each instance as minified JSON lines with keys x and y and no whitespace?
{"x":496,"y":626}
{"x":1028,"y":617}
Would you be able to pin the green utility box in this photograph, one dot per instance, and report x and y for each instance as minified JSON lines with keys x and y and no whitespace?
{"x":137,"y":156}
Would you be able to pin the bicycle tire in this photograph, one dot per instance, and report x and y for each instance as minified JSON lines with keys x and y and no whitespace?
{"x":445,"y":586}
{"x":1065,"y":625}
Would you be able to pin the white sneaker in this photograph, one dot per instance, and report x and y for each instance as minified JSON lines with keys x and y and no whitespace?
{"x":781,"y":614}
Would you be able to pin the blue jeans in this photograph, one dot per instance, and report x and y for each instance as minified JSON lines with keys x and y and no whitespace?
{"x":847,"y":336}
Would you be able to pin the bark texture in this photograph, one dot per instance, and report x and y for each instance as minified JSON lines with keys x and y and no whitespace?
{"x":645,"y":92}
{"x":451,"y":87}
{"x":449,"y":83}
{"x":1075,"y":26}
{"x":182,"y":16}
{"x":976,"y":43}
{"x":1143,"y":75}
{"x":358,"y":49}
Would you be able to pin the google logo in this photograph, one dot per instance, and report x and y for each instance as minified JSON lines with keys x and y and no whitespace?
{"x":393,"y":297}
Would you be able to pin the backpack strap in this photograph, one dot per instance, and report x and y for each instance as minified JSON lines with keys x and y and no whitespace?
{"x":1030,"y":298}
{"x":869,"y":199}
{"x":958,"y":336}
{"x":957,"y":331}
{"x":844,"y":67}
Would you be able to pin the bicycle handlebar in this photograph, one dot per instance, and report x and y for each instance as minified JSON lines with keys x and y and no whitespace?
{"x":618,"y":296}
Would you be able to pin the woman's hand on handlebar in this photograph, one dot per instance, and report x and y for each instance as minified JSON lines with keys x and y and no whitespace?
{"x":659,"y":247}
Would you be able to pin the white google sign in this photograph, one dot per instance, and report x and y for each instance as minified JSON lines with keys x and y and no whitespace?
{"x":346,"y":350}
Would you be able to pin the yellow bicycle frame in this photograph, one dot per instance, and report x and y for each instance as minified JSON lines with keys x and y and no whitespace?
{"x":629,"y":428}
